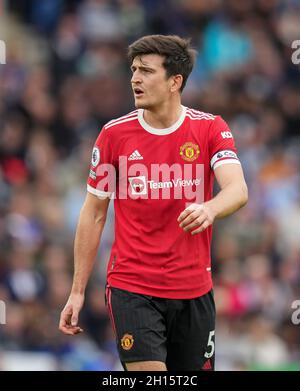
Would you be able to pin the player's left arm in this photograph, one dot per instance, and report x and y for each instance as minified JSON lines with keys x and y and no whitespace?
{"x":234,"y":192}
{"x":232,"y":196}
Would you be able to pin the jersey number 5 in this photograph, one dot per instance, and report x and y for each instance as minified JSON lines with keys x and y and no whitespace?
{"x":210,"y":344}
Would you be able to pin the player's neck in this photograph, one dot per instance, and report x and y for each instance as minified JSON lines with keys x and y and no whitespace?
{"x":164,"y":116}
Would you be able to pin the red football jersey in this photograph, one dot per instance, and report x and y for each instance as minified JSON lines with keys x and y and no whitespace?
{"x":153,"y":175}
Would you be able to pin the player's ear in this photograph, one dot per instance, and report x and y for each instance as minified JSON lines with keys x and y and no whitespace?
{"x":176,"y":83}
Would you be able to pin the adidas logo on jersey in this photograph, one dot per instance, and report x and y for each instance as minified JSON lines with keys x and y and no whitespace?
{"x":135,"y":156}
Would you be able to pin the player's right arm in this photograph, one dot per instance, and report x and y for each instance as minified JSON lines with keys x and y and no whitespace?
{"x":100,"y":186}
{"x":88,"y":234}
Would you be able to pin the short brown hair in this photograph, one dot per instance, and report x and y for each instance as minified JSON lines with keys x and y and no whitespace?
{"x":179,"y":56}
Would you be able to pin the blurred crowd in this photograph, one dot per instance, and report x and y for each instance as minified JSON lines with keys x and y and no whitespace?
{"x":66,"y":75}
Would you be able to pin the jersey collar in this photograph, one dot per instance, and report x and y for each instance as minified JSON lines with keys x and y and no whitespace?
{"x":161,"y":132}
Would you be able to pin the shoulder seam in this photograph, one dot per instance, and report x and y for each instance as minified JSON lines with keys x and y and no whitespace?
{"x":132,"y":113}
{"x":198,"y":115}
{"x":120,"y":122}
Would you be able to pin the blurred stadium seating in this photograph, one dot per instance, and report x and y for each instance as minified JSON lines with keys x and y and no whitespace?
{"x":66,"y":75}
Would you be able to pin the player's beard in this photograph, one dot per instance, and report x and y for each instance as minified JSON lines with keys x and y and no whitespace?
{"x":139,"y":102}
{"x":145,"y":104}
{"x":142,"y":105}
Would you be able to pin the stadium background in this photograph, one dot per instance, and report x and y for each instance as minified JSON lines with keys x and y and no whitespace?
{"x":66,"y":75}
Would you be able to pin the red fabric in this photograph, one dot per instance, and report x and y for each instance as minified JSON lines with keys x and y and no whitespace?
{"x":207,"y":365}
{"x":15,"y":170}
{"x":152,"y":255}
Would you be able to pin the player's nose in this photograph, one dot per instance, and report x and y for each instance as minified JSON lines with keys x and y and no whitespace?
{"x":135,"y":79}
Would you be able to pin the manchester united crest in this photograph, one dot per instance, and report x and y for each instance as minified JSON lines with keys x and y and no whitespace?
{"x":127,"y":341}
{"x":189,"y":151}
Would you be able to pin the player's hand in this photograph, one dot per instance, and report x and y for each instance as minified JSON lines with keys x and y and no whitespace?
{"x":68,"y":323}
{"x":196,"y":218}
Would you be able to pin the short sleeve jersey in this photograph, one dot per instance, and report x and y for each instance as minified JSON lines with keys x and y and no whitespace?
{"x":153,"y":175}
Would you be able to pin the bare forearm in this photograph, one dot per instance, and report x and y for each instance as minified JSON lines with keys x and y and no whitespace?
{"x":229,"y":199}
{"x":87,"y":240}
